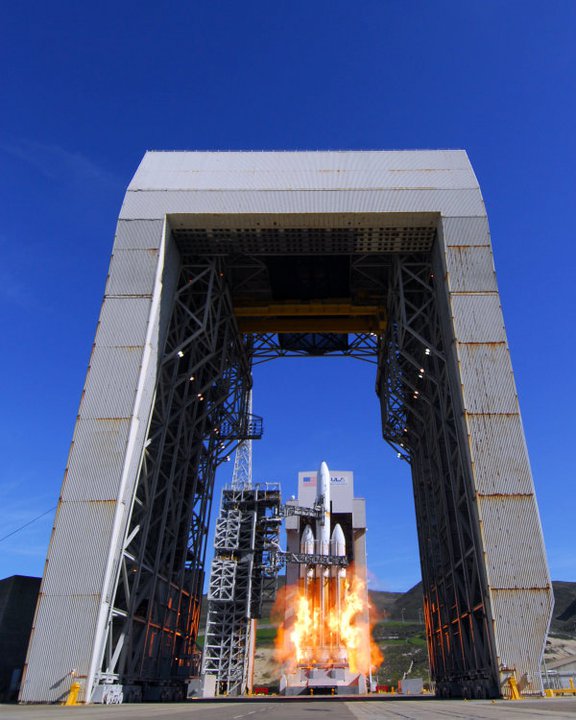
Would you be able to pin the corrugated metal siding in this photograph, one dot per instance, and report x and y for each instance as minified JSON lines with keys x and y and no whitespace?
{"x":108,"y":436}
{"x":148,"y":205}
{"x":111,"y":384}
{"x":332,"y":177}
{"x":487,"y":380}
{"x":470,"y":269}
{"x":478,"y":318}
{"x":498,"y":453}
{"x":466,"y":231}
{"x":95,"y":465}
{"x":138,"y":234}
{"x":513,"y":545}
{"x":78,"y":523}
{"x":303,"y":170}
{"x":132,"y":272}
{"x":55,"y":652}
{"x":521,"y":623}
{"x":123,"y":322}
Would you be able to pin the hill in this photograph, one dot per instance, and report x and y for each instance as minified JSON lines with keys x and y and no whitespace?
{"x":564,"y":618}
{"x":400,"y":633}
{"x":408,"y":606}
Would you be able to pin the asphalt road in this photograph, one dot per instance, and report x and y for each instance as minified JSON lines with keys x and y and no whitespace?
{"x":545,"y":709}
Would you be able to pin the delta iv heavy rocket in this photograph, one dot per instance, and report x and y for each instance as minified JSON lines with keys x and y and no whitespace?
{"x":325,"y":640}
{"x":324,"y":585}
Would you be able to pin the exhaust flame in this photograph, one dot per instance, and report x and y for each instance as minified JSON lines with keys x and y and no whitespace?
{"x":342,"y":638}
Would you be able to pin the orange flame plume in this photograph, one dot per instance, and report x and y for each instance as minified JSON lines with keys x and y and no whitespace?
{"x":341,"y":638}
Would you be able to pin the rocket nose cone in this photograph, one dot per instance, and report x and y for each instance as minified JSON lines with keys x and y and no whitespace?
{"x":307,"y":535}
{"x":337,"y":541}
{"x":338,"y":534}
{"x":324,"y":469}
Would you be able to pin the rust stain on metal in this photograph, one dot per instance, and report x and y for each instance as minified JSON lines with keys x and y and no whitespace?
{"x":413,"y":170}
{"x":522,"y":588}
{"x":505,"y":495}
{"x":467,"y":413}
{"x":491,"y":344}
{"x":467,"y":247}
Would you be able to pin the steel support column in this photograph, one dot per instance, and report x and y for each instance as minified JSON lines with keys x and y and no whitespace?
{"x":419,"y":421}
{"x":199,"y":412}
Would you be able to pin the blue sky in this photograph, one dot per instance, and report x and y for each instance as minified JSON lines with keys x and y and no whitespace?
{"x":87,"y":88}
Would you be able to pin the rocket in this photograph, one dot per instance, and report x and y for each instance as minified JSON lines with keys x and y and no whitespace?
{"x":325,"y":585}
{"x":323,"y":571}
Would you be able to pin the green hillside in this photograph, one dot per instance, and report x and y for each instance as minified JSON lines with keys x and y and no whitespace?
{"x":400,"y":633}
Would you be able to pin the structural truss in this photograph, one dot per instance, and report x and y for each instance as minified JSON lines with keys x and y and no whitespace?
{"x":243,"y":576}
{"x":225,"y":260}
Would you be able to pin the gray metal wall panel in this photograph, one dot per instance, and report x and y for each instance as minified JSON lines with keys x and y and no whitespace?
{"x":138,"y":234}
{"x":358,"y":513}
{"x":132,"y":272}
{"x":498,"y":453}
{"x":149,"y":205}
{"x":478,"y":318}
{"x":255,"y":179}
{"x":520,"y":628}
{"x":303,"y":170}
{"x":470,"y":269}
{"x":511,"y":532}
{"x":111,"y":384}
{"x":466,"y":230}
{"x":57,"y":652}
{"x":95,"y":465}
{"x":518,"y":583}
{"x":487,"y":380}
{"x":123,"y":320}
{"x":69,"y":574}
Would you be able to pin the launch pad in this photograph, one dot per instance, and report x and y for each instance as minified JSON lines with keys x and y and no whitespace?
{"x":225,"y":260}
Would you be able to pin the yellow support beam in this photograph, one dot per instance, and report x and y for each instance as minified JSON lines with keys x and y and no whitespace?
{"x":311,"y":325}
{"x":330,"y":316}
{"x":307,"y":309}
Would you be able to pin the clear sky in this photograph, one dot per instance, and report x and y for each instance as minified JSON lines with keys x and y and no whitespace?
{"x":86,"y":88}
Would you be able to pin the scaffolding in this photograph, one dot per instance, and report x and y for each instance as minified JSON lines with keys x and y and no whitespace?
{"x":242,"y":577}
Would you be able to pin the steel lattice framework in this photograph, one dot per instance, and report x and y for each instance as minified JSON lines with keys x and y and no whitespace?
{"x":419,"y":421}
{"x":200,"y":413}
{"x":225,"y":260}
{"x":242,"y":578}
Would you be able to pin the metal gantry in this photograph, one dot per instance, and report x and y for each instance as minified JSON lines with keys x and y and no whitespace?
{"x":383,"y":256}
{"x":243,"y":575}
{"x":419,"y":421}
{"x":199,"y":415}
